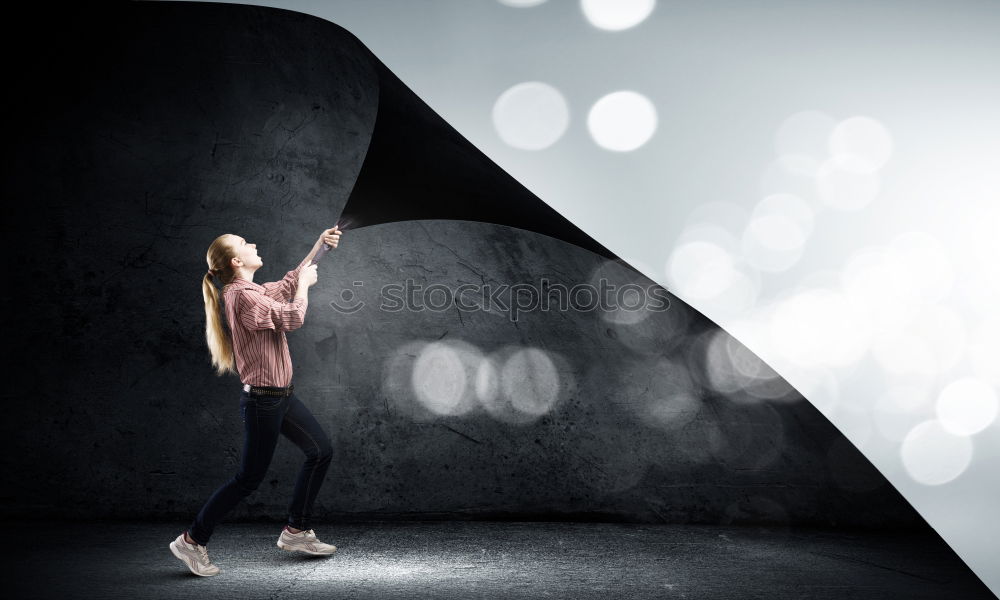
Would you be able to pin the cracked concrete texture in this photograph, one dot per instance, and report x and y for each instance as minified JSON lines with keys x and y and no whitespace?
{"x":492,"y":560}
{"x":254,"y":122}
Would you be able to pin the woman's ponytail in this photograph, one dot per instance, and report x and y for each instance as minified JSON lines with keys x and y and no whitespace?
{"x":220,"y":345}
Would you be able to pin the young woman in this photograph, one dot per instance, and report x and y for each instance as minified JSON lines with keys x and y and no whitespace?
{"x":258,"y":316}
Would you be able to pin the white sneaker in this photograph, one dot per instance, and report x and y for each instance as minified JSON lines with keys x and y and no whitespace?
{"x":304,"y":541}
{"x":194,"y":556}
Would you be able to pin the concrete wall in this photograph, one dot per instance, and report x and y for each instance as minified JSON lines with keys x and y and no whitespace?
{"x":194,"y":120}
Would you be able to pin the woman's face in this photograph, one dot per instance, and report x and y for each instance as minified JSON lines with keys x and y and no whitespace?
{"x":247,"y":253}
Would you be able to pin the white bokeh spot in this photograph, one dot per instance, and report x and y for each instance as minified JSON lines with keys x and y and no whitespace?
{"x":866,"y":141}
{"x":622,"y":121}
{"x":439,"y":379}
{"x":932,"y":455}
{"x":805,"y":134}
{"x":920,"y":268}
{"x":531,"y":115}
{"x":700,"y":270}
{"x":967,"y":406}
{"x":775,"y":237}
{"x":530,"y":382}
{"x":819,"y":328}
{"x":616,"y":15}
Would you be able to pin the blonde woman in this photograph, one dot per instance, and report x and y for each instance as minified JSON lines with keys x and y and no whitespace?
{"x":255,"y":348}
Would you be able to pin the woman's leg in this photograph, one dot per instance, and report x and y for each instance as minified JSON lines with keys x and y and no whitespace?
{"x":262,"y":417}
{"x":305,"y":432}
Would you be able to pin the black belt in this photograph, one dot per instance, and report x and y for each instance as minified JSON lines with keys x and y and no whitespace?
{"x":265,"y":390}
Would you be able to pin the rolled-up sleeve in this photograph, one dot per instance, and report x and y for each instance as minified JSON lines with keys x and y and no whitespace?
{"x":258,"y":311}
{"x":285,"y":288}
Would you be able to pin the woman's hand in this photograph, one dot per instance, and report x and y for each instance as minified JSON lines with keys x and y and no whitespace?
{"x":327,"y":240}
{"x":330,"y":237}
{"x":308,"y":276}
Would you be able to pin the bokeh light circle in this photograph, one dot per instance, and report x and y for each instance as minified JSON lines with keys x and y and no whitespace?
{"x":487,"y":382}
{"x":791,"y":208}
{"x":629,"y":300}
{"x":932,"y":455}
{"x":777,"y":231}
{"x":920,"y":268}
{"x":866,"y":141}
{"x":806,"y":133}
{"x":819,"y":327}
{"x":868,"y":281}
{"x":616,"y":15}
{"x":397,"y":379}
{"x":531,"y":115}
{"x":731,"y":367}
{"x":622,"y":121}
{"x":530,"y":382}
{"x":967,"y":406}
{"x":441,"y":379}
{"x":700,"y":270}
{"x":817,"y":385}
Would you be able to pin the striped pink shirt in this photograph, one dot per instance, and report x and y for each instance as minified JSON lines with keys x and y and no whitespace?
{"x":258,"y":317}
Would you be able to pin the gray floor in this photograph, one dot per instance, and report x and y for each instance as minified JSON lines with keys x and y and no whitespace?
{"x":486,"y":560}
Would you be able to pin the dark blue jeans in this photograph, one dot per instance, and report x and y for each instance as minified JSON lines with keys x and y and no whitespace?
{"x":264,"y":417}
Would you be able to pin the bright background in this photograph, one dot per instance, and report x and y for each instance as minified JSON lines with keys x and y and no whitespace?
{"x":821,"y":179}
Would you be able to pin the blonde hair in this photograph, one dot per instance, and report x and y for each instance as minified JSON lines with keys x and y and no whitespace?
{"x":220,"y":268}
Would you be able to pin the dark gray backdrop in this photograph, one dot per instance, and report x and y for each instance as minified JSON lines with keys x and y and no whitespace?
{"x":157,"y":127}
